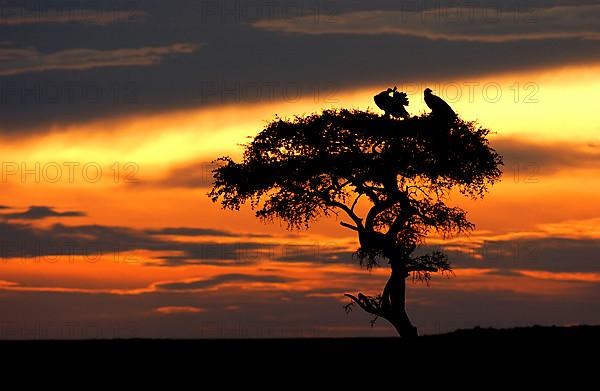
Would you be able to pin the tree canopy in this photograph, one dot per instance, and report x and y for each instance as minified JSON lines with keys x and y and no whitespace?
{"x":303,"y":168}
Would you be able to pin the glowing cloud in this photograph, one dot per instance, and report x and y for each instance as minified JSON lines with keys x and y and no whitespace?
{"x":14,"y":61}
{"x":455,"y":23}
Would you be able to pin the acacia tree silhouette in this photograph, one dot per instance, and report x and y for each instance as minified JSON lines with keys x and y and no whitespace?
{"x":398,"y":172}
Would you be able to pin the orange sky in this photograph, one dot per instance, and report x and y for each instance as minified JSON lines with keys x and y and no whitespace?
{"x":156,"y":145}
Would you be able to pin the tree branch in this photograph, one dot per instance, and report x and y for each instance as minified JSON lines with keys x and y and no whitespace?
{"x":355,"y":202}
{"x":419,"y":188}
{"x":352,"y":227}
{"x":364,"y":303}
{"x":348,"y":211}
{"x":377,"y":209}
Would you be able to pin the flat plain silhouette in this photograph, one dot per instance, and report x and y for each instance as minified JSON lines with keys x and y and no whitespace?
{"x":388,"y":178}
{"x":506,"y":354}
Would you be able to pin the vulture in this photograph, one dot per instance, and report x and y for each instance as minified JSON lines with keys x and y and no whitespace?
{"x":392,"y":105}
{"x":438,"y":106}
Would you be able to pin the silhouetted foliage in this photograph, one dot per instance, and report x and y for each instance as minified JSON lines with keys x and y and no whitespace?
{"x":322,"y":164}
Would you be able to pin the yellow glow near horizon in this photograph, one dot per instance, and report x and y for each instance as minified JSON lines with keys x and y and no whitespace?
{"x":538,"y":105}
{"x":157,"y":141}
{"x":160,"y":142}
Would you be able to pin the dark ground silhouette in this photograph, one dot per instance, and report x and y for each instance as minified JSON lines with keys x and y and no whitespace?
{"x":501,"y":351}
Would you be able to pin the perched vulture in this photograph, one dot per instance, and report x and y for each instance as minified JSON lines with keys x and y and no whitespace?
{"x":392,"y":105}
{"x":438,"y":106}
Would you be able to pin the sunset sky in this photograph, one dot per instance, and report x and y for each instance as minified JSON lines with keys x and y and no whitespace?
{"x":111,"y":113}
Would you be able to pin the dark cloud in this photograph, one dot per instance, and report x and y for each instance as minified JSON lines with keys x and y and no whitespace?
{"x":235,"y":54}
{"x":467,"y":23}
{"x":40,"y":212}
{"x":440,"y":307}
{"x":550,"y":157}
{"x":222,"y":279}
{"x":504,"y":273}
{"x":323,"y":253}
{"x":215,"y":253}
{"x":27,"y":241}
{"x":550,"y":253}
{"x":20,"y":241}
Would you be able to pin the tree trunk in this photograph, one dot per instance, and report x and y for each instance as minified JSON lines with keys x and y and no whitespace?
{"x":394,"y":295}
